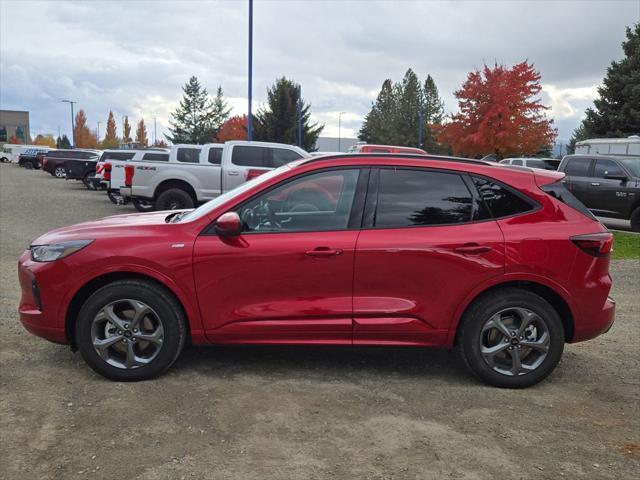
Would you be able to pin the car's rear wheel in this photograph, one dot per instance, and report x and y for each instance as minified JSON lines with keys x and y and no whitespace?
{"x":174,"y":199}
{"x":511,"y":338}
{"x":88,"y":180}
{"x":635,"y":220}
{"x":130,"y":330}
{"x":59,"y":172}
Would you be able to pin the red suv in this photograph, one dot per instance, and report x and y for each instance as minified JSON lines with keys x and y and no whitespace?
{"x":362,"y":249}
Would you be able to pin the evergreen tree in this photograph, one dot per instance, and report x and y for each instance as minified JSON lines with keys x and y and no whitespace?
{"x":378,"y":125}
{"x":278,"y":121}
{"x":111,"y":139}
{"x":579,"y":134}
{"x":406,"y":124}
{"x":616,"y":112}
{"x":126,"y":131}
{"x":63,"y":142}
{"x":433,"y":107}
{"x":197,"y":118}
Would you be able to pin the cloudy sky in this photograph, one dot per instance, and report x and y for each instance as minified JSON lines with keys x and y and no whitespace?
{"x":133,"y":56}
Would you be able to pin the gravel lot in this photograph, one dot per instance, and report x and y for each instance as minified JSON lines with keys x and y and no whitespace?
{"x":258,"y":412}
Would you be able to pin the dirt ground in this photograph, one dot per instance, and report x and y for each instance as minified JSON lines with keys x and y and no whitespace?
{"x":300,"y":413}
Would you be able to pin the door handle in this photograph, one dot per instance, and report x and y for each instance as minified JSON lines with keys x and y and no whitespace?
{"x":233,"y":173}
{"x":323,"y":252}
{"x":595,"y":184}
{"x":473,"y":249}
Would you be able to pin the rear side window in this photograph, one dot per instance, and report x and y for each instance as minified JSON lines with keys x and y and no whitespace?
{"x":188,"y":155}
{"x":156,"y":157}
{"x":607,"y":167}
{"x":559,"y":191}
{"x":418,"y":197}
{"x":578,"y":167}
{"x":247,"y":156}
{"x":215,"y":156}
{"x":500,"y":200}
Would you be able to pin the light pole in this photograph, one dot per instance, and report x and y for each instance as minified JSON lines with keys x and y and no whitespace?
{"x":98,"y":132}
{"x":340,"y":130}
{"x":250,"y":119}
{"x":155,"y":137}
{"x":73,"y":133}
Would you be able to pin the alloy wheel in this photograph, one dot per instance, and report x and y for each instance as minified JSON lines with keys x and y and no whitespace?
{"x":127,"y":334}
{"x":514,"y":341}
{"x":59,"y":172}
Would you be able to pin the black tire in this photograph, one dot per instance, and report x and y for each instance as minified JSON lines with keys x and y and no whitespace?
{"x":28,"y":165}
{"x":116,"y":198}
{"x":169,"y":314}
{"x":635,"y":220}
{"x":88,"y":180}
{"x":142,"y":205}
{"x":470,"y":337}
{"x":173,"y":199}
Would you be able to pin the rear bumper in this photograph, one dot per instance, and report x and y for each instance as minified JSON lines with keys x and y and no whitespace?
{"x":596,"y":323}
{"x":125,"y":192}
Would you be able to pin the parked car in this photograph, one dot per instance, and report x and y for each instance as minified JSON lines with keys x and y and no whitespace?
{"x":608,"y":185}
{"x":197,"y":173}
{"x":362,"y":147}
{"x":81,"y":169}
{"x":403,"y":250}
{"x":543,"y":163}
{"x":53,"y":163}
{"x":30,"y":158}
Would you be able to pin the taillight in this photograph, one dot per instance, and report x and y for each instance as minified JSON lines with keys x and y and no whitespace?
{"x":99,"y":167}
{"x":129,"y":170}
{"x":253,"y":173}
{"x":107,"y":171}
{"x":594,"y":244}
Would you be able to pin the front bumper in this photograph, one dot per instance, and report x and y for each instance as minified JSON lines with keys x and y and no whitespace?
{"x":38,"y":309}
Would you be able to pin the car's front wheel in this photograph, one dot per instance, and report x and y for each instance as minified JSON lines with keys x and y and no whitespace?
{"x":130,"y":330}
{"x":635,"y":220}
{"x":59,"y":172}
{"x":511,"y":338}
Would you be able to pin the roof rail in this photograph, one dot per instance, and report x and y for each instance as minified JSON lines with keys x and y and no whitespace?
{"x":416,"y":156}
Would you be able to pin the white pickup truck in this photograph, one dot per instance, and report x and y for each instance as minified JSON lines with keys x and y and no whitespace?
{"x":197,"y":173}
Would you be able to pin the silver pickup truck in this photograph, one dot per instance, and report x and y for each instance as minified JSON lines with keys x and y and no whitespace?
{"x":197,"y":173}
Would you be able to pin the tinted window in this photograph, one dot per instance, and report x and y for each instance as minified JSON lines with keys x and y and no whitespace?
{"x":247,"y":156}
{"x":505,"y":161}
{"x":215,"y":156}
{"x":116,"y":156}
{"x":281,"y":156}
{"x":545,"y":164}
{"x":558,"y":190}
{"x":418,"y":197}
{"x":500,"y":200}
{"x":578,"y":167}
{"x":607,"y":167}
{"x":316,"y":202}
{"x":156,"y":157}
{"x":188,"y":155}
{"x":516,"y":161}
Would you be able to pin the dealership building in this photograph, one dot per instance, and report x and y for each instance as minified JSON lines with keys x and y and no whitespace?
{"x":14,"y":123}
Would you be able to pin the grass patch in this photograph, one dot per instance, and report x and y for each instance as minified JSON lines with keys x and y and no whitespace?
{"x":626,"y":245}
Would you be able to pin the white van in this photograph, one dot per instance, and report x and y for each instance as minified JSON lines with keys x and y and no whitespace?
{"x":609,"y":146}
{"x":11,"y":152}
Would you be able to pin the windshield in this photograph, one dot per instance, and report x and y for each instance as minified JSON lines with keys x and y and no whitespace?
{"x":211,"y":205}
{"x":632,"y":164}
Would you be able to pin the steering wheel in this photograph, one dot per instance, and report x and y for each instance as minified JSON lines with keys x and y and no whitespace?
{"x":271,"y":215}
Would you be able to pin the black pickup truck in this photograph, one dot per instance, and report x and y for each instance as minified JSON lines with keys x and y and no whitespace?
{"x":81,"y":169}
{"x":608,"y":185}
{"x":54,"y":162}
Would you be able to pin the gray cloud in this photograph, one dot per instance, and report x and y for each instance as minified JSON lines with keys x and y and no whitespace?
{"x":134,"y":56}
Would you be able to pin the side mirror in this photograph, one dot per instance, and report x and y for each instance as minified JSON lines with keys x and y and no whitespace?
{"x":228,"y":225}
{"x":616,"y":177}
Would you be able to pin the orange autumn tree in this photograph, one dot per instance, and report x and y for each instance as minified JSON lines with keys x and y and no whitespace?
{"x":233,"y":129}
{"x":141,"y":134}
{"x":499,"y":113}
{"x":83,"y":136}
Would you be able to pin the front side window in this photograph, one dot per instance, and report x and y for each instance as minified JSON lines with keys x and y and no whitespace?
{"x":607,"y":167}
{"x":418,"y":197}
{"x":188,"y":155}
{"x":317,"y":202}
{"x":282,"y":156}
{"x":501,"y":201}
{"x":578,"y":167}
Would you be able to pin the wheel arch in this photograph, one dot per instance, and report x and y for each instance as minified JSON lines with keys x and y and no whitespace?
{"x":175,"y":183}
{"x":84,"y":292}
{"x":550,"y":294}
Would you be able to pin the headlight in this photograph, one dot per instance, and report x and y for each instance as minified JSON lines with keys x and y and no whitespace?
{"x":56,"y":251}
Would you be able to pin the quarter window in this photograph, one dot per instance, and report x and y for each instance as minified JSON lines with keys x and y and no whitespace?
{"x":416,"y":198}
{"x":188,"y":155}
{"x":607,"y":167}
{"x":500,"y":200}
{"x":578,"y":167}
{"x":318,"y":202}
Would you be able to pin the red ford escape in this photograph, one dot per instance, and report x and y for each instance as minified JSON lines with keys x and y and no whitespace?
{"x":364,"y":249}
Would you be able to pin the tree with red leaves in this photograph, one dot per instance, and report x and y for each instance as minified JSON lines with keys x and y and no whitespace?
{"x":233,"y":129}
{"x":500,"y":114}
